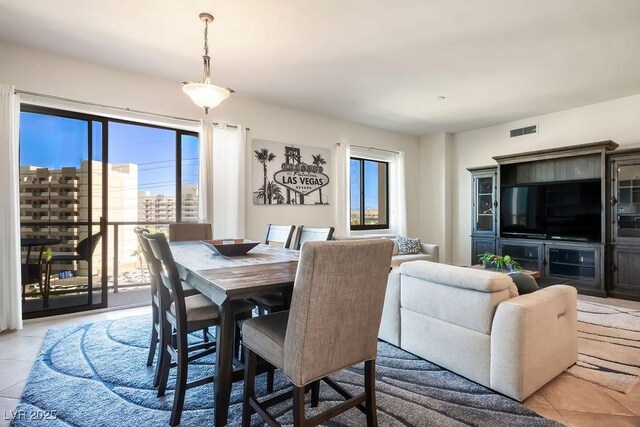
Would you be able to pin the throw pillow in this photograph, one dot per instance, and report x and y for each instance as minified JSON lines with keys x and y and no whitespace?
{"x":525,"y":283}
{"x":409,"y":246}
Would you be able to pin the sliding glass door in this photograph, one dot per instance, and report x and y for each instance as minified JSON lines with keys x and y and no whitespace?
{"x":61,"y":232}
{"x":85,"y":183}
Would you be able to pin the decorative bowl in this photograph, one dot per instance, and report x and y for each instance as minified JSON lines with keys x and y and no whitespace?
{"x":230,"y":247}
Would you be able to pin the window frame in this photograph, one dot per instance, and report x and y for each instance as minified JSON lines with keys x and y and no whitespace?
{"x":362,"y":226}
{"x":38,"y":109}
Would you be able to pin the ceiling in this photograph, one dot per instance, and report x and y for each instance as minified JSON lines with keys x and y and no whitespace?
{"x":374,"y":62}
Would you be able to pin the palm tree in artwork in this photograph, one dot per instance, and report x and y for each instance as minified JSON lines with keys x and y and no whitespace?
{"x":264,"y":156}
{"x":319,"y":161}
{"x":274,"y":192}
{"x":262,"y":193}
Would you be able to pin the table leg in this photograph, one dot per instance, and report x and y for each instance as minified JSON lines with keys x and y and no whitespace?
{"x":224,"y":366}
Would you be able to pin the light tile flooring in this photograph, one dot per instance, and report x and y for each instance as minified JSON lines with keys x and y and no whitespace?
{"x":569,"y":400}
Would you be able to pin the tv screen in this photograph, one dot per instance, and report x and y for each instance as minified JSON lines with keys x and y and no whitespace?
{"x":523,"y":210}
{"x":570,"y":211}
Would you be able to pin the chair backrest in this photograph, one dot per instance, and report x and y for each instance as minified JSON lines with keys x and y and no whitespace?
{"x":149,"y":259}
{"x":336,"y":307}
{"x":168,"y":274}
{"x":87,"y":246}
{"x":180,"y":232}
{"x":312,"y":234}
{"x":278,"y":234}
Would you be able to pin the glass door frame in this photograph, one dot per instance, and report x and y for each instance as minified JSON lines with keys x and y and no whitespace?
{"x":89,"y":223}
{"x":104,"y":222}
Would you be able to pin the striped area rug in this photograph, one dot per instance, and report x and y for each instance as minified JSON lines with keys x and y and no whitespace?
{"x":608,"y":346}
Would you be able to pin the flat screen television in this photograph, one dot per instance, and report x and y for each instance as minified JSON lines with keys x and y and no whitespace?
{"x":568,"y":211}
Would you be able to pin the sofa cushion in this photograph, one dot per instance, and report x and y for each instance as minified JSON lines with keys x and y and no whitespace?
{"x":399,"y":259}
{"x":524,"y":282}
{"x":409,"y":246}
{"x":458,"y":277}
{"x":467,"y":308}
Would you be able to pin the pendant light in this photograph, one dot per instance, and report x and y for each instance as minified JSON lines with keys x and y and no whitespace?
{"x":205,"y":94}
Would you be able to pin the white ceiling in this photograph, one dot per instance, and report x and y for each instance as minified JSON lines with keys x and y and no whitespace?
{"x":376,"y":62}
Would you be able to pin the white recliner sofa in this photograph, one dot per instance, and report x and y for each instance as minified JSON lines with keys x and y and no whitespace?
{"x":473,"y":322}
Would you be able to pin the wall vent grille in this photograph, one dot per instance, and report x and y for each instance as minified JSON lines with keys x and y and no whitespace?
{"x":527,"y":130}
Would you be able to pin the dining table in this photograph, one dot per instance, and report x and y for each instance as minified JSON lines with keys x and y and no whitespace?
{"x":227,"y":281}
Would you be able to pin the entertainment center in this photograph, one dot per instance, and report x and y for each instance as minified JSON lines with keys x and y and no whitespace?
{"x":570,"y":213}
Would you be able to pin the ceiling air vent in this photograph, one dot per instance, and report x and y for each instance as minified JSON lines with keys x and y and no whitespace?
{"x":524,"y":131}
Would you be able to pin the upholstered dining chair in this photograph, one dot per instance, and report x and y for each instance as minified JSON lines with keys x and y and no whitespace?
{"x":312,"y":234}
{"x":157,"y":314}
{"x":332,"y":324}
{"x":189,"y":231}
{"x":183,"y":315}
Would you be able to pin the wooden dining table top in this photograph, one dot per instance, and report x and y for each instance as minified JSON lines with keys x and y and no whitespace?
{"x":263,"y":270}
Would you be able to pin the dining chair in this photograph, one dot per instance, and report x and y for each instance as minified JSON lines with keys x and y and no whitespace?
{"x":84,"y":252}
{"x":312,"y":234}
{"x":157,"y":314}
{"x":189,"y":231}
{"x":278,"y":234}
{"x":183,"y":315}
{"x":333,"y":324}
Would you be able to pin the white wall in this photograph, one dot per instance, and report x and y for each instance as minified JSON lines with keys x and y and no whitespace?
{"x":47,"y":73}
{"x":436,"y":220}
{"x":617,"y":120}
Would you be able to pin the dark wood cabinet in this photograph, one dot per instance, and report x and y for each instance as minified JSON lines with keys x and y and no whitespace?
{"x":624,"y":259}
{"x":481,"y":245}
{"x":484,"y":202}
{"x":625,"y":269}
{"x":529,"y":254}
{"x":484,"y":227}
{"x":581,"y":264}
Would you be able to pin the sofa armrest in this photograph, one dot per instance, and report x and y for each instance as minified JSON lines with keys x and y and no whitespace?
{"x":390,"y":324}
{"x":533,"y":339}
{"x":433,"y":250}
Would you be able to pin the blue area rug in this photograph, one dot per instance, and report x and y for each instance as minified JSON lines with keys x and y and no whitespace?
{"x":95,"y":375}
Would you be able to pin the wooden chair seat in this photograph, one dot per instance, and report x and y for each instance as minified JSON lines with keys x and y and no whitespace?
{"x":200,"y":308}
{"x":270,"y":301}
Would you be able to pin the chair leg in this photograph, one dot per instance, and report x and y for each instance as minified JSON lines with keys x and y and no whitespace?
{"x":298,"y":406}
{"x":237,"y":342}
{"x":164,"y":361}
{"x":315,"y":394}
{"x":249,"y":386}
{"x":205,"y":335}
{"x":47,"y":286}
{"x":370,"y":392}
{"x":154,"y":336}
{"x":270,"y":375}
{"x":181,"y":382}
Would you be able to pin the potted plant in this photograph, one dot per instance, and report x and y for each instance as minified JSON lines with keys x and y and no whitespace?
{"x":497,"y":262}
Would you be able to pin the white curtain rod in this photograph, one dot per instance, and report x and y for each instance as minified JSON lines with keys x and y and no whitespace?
{"x":374,"y":148}
{"x":111,"y":107}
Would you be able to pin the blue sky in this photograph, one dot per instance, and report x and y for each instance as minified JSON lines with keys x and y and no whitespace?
{"x":54,"y":142}
{"x":370,"y":185}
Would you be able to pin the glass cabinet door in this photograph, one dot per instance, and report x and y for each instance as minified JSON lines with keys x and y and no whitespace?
{"x":626,"y":202}
{"x":484,"y":199}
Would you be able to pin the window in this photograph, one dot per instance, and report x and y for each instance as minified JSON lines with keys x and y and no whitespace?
{"x":369,"y":194}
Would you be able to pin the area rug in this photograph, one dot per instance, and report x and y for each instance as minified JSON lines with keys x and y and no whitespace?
{"x":608,"y":346}
{"x":95,"y":375}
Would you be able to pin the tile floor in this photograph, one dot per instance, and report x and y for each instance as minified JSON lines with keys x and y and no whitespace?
{"x":567,"y":399}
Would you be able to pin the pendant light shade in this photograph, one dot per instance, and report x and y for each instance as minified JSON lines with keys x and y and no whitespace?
{"x":205,"y":94}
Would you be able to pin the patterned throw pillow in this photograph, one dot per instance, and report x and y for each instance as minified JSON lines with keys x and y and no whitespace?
{"x":409,"y":246}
